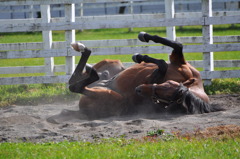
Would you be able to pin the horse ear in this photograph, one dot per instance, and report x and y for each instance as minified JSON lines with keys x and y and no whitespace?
{"x":189,"y":82}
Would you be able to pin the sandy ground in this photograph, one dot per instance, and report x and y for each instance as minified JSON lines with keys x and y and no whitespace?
{"x":36,"y":124}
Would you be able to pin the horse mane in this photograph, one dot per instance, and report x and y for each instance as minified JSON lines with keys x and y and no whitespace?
{"x":194,"y":105}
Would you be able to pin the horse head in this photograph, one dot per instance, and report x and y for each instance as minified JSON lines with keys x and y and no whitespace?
{"x":176,"y":97}
{"x":165,"y":93}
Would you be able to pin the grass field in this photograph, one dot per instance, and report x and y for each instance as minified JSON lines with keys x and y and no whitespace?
{"x":122,"y":148}
{"x":30,"y":94}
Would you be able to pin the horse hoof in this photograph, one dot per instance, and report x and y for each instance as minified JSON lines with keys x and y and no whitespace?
{"x":78,"y":47}
{"x":137,"y":58}
{"x":141,"y":37}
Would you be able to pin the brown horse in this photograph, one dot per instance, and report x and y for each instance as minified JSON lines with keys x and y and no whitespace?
{"x":116,"y":95}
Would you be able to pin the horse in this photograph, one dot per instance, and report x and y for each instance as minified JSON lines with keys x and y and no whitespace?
{"x":116,"y":94}
{"x":177,"y":97}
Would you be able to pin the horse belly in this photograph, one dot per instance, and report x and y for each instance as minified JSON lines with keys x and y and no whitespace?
{"x":130,"y":78}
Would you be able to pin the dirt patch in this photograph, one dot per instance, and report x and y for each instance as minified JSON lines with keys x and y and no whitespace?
{"x":35,"y":123}
{"x":219,"y":132}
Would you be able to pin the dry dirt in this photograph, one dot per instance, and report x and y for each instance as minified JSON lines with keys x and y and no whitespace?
{"x":51,"y":122}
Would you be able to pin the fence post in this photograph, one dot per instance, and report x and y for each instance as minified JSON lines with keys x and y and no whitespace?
{"x":70,"y":37}
{"x":170,"y":11}
{"x":207,"y":33}
{"x":31,"y":13}
{"x":130,"y":12}
{"x":47,"y":39}
{"x":81,"y":13}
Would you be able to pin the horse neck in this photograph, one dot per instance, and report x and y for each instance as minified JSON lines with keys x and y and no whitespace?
{"x":195,"y":104}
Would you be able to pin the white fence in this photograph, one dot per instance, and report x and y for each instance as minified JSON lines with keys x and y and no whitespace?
{"x":49,"y":49}
{"x":93,"y":9}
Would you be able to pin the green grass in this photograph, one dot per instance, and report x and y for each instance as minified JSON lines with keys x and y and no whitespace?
{"x":224,"y":86}
{"x":120,"y":33}
{"x":122,"y":148}
{"x":32,"y":94}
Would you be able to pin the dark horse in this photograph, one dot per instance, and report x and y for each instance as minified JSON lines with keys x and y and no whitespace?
{"x":116,"y":94}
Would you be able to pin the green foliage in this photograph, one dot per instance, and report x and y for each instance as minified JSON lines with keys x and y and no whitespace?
{"x":122,"y":148}
{"x":155,"y":132}
{"x":223,"y":86}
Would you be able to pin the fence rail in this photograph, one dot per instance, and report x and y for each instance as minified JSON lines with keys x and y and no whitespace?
{"x":113,"y":42}
{"x":61,"y":68}
{"x":124,"y":21}
{"x":49,"y":49}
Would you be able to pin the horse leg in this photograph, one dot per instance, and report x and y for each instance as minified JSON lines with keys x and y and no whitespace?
{"x":78,"y":80}
{"x":77,"y":74}
{"x":158,"y":75}
{"x":85,"y":80}
{"x":177,"y":54}
{"x":145,"y":37}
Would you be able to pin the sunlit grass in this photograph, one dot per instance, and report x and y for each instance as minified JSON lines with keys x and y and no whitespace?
{"x":122,"y":148}
{"x":32,"y":94}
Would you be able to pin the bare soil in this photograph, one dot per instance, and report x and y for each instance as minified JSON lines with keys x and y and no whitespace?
{"x":55,"y":122}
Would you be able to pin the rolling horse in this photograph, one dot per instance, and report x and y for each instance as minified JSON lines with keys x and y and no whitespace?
{"x":109,"y":89}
